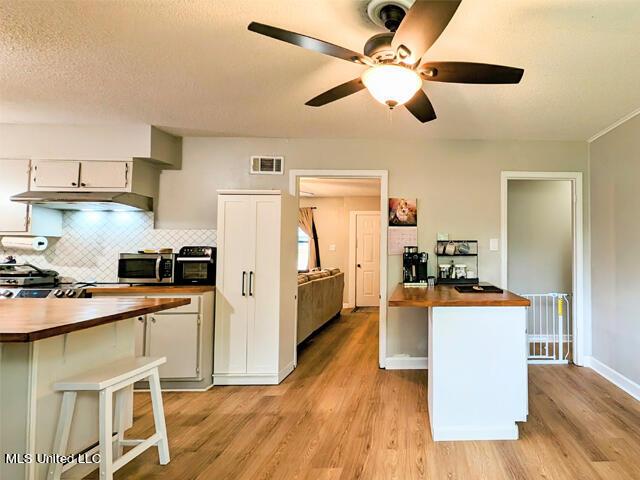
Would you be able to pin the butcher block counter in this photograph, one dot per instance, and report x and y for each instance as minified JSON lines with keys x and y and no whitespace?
{"x":448,"y":296}
{"x":43,"y":341}
{"x":477,"y":360}
{"x":29,"y":319}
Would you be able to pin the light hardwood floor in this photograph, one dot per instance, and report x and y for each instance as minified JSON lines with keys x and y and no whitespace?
{"x":340,"y":417}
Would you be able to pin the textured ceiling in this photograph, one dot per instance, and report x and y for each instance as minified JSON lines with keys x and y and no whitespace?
{"x":192,"y":67}
{"x":340,"y":187}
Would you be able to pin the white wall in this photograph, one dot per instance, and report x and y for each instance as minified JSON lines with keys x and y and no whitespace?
{"x":540,"y":236}
{"x":615,"y":239}
{"x":457,"y":184}
{"x":332,"y":224}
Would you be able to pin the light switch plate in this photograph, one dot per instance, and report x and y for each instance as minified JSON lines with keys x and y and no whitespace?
{"x":494,"y":244}
{"x":332,"y":247}
{"x":443,"y":236}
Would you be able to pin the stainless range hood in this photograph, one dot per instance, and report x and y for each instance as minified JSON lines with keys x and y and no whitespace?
{"x":95,"y":201}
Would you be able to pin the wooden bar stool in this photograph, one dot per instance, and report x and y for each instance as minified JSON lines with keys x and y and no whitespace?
{"x":113,"y":378}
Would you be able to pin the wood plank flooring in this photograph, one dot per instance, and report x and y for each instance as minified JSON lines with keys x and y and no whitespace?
{"x":340,"y":417}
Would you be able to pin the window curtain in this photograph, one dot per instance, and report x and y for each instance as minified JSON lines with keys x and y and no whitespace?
{"x":306,"y":223}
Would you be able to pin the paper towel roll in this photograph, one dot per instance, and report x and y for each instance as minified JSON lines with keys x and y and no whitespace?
{"x":25,"y":243}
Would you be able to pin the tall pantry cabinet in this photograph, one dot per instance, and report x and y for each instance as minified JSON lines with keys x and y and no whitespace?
{"x":256,"y":287}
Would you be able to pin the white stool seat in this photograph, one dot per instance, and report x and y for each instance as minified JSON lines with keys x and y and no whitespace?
{"x":107,"y":381}
{"x":110,"y":375}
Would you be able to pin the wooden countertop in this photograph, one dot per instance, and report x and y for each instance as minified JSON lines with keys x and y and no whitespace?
{"x":448,"y":296}
{"x":149,"y":289}
{"x":30,"y":319}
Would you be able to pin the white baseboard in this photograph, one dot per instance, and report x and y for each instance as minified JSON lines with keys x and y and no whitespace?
{"x":284,"y":373}
{"x":407,"y":363}
{"x":619,"y":380}
{"x":468,"y":433}
{"x":253,"y":378}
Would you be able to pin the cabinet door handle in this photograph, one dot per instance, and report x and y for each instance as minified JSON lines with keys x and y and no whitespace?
{"x":141,"y":319}
{"x":74,"y":184}
{"x":153,"y":319}
{"x":244,"y":277}
{"x":250,"y":284}
{"x":82,"y":184}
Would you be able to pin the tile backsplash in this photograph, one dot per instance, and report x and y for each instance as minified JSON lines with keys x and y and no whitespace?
{"x":91,"y":242}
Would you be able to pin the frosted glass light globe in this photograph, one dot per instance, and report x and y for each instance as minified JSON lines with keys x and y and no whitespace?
{"x":391,"y":85}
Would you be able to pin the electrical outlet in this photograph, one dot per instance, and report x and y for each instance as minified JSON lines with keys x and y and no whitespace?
{"x":494,"y":244}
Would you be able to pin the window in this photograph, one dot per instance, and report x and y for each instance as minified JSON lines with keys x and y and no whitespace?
{"x":303,"y":250}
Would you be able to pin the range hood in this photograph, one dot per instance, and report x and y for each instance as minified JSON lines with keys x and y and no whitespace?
{"x":94,"y":201}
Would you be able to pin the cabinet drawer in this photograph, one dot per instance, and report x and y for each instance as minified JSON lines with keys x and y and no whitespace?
{"x":193,"y":307}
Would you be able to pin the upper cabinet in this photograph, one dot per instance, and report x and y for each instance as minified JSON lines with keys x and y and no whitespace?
{"x":76,"y":175}
{"x":18,"y":218}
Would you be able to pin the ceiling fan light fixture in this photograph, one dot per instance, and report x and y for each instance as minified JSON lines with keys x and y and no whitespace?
{"x":391,"y":85}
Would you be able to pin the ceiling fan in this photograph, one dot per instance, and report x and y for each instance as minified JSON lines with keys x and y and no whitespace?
{"x":395,"y":72}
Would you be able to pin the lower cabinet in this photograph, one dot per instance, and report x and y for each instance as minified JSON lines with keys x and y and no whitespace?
{"x":184,"y":335}
{"x":175,"y":336}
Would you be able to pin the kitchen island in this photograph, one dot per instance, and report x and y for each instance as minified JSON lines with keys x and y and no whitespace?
{"x":477,"y":379}
{"x":45,"y":340}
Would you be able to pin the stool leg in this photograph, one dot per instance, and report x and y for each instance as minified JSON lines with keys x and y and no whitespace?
{"x":120,"y":419}
{"x":106,"y":434}
{"x":158,"y":417}
{"x":62,"y":432}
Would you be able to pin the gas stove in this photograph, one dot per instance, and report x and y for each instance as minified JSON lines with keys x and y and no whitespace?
{"x":61,"y":291}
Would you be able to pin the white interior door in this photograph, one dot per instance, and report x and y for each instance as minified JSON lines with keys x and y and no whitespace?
{"x":14,"y":179}
{"x":236,"y":244}
{"x":367,"y":260}
{"x":264,"y":298}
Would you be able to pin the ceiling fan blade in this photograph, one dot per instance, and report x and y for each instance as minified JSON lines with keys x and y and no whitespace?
{"x":421,"y":108}
{"x":421,"y":27}
{"x":309,"y":43}
{"x":467,"y":72}
{"x":336,"y":93}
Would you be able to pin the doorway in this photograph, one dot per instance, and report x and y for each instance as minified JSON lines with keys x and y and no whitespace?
{"x":542,"y":259}
{"x":381,"y":176}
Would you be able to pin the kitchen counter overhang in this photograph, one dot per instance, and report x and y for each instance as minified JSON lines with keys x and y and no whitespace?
{"x":30,"y":319}
{"x":448,"y":296}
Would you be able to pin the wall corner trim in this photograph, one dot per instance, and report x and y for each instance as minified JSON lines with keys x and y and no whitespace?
{"x":407,"y":363}
{"x":619,"y":380}
{"x":614,"y":125}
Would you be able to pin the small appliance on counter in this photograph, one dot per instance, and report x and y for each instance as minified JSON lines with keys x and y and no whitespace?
{"x":414,"y":267}
{"x":457,"y":262}
{"x":196,"y":266}
{"x":145,"y":268}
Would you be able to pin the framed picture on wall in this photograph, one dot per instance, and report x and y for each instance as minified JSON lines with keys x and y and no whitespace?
{"x":403,"y":212}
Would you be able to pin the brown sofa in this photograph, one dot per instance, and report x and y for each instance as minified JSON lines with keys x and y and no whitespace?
{"x":319,"y":300}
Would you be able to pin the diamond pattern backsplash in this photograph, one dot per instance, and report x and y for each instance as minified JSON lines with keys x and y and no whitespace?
{"x":91,"y":242}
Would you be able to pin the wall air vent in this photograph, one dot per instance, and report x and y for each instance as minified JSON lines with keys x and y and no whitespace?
{"x":263,"y":165}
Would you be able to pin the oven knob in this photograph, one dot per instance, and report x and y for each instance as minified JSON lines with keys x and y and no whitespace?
{"x":58,"y":293}
{"x":6,"y":293}
{"x":70,"y":293}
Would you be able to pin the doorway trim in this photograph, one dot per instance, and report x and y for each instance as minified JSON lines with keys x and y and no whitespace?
{"x":383,"y":175}
{"x":580,"y":327}
{"x":352,"y":255}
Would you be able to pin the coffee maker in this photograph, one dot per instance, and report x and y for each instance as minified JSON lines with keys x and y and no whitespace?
{"x":414,"y":265}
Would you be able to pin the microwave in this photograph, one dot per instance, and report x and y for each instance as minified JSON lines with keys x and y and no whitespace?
{"x":196,"y":266}
{"x":146,"y":268}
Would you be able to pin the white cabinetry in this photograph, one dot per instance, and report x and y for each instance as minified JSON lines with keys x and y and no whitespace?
{"x":72,"y":175}
{"x":256,"y":288}
{"x":18,"y":218}
{"x":184,"y":335}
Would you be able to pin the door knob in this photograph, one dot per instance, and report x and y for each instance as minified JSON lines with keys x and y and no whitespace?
{"x":359,"y":266}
